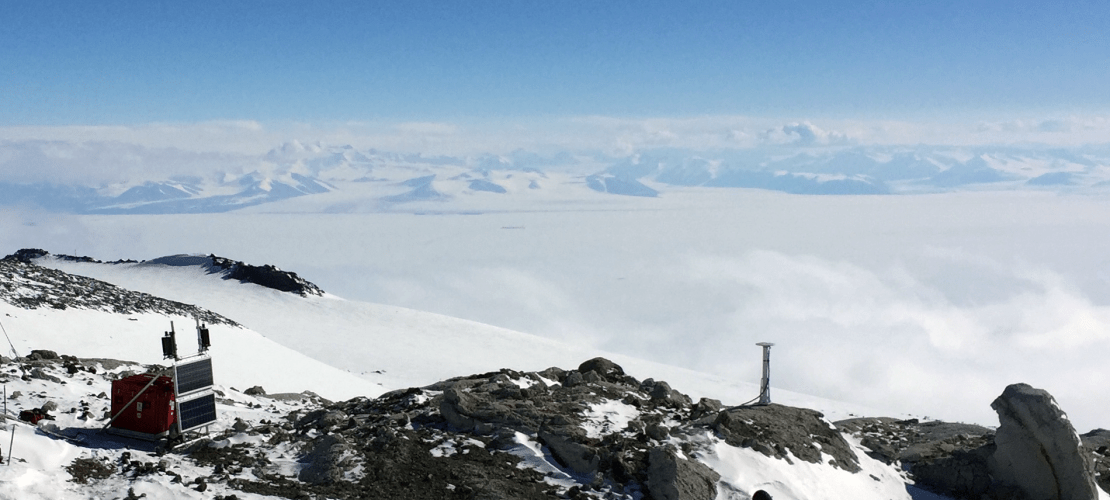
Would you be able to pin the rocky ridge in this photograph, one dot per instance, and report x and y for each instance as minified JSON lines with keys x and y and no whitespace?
{"x":265,"y":275}
{"x":29,"y":286}
{"x":586,"y":433}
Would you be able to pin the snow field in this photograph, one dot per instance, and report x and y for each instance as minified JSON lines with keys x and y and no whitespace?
{"x":395,"y":348}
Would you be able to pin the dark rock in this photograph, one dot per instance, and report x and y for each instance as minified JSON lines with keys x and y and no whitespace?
{"x":573,"y":378}
{"x":704,"y":407}
{"x":674,"y":478}
{"x":1038,"y":450}
{"x":662,"y":394}
{"x":255,"y":391}
{"x":658,"y":432}
{"x":44,"y":354}
{"x":608,"y":370}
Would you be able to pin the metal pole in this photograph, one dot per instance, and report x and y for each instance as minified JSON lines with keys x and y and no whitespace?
{"x":10,"y":445}
{"x":765,"y":383}
{"x":14,"y":354}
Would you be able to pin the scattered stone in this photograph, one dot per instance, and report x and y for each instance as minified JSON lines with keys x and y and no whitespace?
{"x":86,"y":470}
{"x":324,"y":464}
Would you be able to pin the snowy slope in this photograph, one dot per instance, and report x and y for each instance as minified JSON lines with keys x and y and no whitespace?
{"x":241,"y":358}
{"x":394,"y":347}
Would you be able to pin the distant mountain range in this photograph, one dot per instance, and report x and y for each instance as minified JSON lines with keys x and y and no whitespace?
{"x":381,"y":181}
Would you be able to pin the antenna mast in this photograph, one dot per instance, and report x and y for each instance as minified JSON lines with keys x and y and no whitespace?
{"x":765,"y":382}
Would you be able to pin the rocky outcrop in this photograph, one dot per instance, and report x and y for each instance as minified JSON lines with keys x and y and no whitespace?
{"x":1037,"y":449}
{"x":265,"y":275}
{"x":775,"y":429}
{"x":1035,"y":454}
{"x":26,"y":255}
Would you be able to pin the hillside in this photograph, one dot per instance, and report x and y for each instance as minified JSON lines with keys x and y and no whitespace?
{"x":393,"y":347}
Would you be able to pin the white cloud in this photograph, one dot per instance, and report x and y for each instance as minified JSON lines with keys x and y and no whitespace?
{"x":803,"y":134}
{"x":852,"y":332}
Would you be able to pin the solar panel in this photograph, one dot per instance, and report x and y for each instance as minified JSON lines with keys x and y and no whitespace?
{"x":194,"y":376}
{"x":197,"y":412}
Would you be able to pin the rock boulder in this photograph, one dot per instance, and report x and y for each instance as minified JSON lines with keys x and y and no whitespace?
{"x":671,"y":477}
{"x":1038,"y":451}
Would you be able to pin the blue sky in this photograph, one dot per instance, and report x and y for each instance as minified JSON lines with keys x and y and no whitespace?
{"x":93,"y":63}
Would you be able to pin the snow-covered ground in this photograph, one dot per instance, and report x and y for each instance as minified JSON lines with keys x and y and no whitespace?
{"x":393,"y":347}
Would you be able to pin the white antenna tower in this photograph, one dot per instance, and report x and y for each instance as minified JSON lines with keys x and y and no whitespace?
{"x":765,"y":383}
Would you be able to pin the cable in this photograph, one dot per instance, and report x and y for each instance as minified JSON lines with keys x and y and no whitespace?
{"x":14,"y":354}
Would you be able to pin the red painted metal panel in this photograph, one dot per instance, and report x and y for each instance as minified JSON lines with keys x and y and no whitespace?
{"x":152,"y":412}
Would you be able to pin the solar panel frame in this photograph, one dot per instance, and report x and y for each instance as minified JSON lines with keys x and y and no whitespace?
{"x":196,"y":412}
{"x":195,"y":376}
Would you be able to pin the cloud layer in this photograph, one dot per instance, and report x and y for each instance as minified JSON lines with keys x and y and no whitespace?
{"x":111,"y":152}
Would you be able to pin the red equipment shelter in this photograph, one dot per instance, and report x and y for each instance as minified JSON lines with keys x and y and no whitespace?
{"x":151,"y":415}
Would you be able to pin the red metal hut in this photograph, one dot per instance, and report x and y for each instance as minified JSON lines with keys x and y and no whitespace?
{"x":152,"y":414}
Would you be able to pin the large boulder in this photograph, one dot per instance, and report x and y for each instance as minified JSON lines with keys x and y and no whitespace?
{"x":1038,"y":451}
{"x":608,"y":370}
{"x":671,"y":477}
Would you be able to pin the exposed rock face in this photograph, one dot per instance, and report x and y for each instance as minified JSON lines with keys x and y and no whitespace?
{"x":673,"y":478}
{"x":774,"y":429}
{"x":266,"y":275}
{"x":1038,"y":450}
